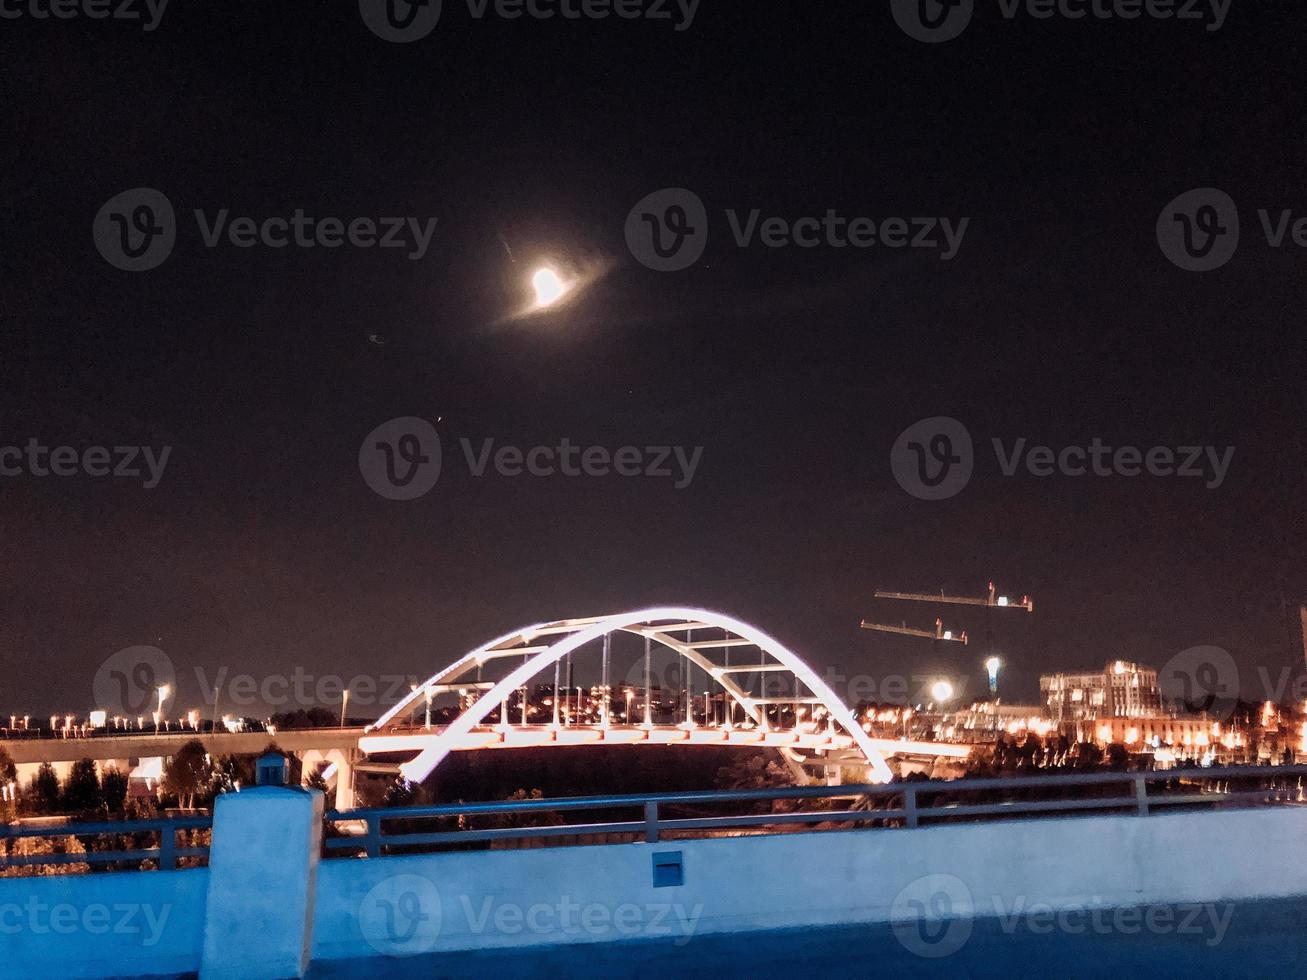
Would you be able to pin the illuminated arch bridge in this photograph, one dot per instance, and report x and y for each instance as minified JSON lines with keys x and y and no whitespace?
{"x":760,"y":694}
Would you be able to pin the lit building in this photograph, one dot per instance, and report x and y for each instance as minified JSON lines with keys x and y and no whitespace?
{"x":1173,"y":739}
{"x":986,"y":720}
{"x":1120,"y":690}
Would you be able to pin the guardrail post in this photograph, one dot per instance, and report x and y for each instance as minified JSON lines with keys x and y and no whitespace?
{"x":651,"y":822}
{"x":1141,"y":795}
{"x":910,"y":805}
{"x":372,"y":844}
{"x":167,"y":846}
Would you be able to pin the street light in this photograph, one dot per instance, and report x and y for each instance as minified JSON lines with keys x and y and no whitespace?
{"x":162,"y":690}
{"x":941,"y":691}
{"x":991,"y":668}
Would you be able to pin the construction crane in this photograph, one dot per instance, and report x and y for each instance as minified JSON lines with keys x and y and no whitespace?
{"x":993,"y":599}
{"x":905,"y":630}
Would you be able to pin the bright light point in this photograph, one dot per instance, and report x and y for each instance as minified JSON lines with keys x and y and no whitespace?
{"x":548,"y":286}
{"x":992,"y":665}
{"x":941,"y":691}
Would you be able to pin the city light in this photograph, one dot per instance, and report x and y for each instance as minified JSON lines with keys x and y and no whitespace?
{"x":941,"y":691}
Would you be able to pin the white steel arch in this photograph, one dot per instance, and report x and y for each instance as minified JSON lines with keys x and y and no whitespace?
{"x":565,"y":636}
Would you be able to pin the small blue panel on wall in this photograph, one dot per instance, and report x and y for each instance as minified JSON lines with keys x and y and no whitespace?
{"x":668,"y":871}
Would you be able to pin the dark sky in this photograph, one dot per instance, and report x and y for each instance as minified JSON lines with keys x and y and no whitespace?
{"x":1060,"y":320}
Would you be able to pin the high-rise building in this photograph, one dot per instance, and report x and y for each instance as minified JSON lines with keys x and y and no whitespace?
{"x":1120,"y":690}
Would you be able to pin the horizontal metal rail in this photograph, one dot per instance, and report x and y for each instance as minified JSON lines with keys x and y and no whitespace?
{"x":166,"y":853}
{"x":906,"y":805}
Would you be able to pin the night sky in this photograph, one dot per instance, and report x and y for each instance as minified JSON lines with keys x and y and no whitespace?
{"x":1059,"y":320}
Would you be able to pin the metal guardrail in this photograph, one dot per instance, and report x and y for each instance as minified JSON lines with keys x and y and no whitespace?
{"x":917,"y":805}
{"x":166,"y":854}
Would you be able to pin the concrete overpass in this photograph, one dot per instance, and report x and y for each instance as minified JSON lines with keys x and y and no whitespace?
{"x":333,"y":746}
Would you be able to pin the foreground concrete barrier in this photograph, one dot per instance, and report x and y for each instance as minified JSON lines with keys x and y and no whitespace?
{"x":467,"y":900}
{"x":265,"y":906}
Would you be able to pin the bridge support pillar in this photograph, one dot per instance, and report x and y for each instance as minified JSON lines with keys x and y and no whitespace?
{"x":263,"y":869}
{"x":345,"y":781}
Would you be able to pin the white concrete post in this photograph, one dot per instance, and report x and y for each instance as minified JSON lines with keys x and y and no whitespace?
{"x":263,"y":866}
{"x":345,"y":781}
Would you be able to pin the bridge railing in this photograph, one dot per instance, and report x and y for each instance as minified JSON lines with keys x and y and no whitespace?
{"x":165,"y":854}
{"x":880,"y":806}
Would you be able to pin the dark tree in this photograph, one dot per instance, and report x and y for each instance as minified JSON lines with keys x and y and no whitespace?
{"x":188,"y":773}
{"x":82,"y":792}
{"x":113,"y":788}
{"x":1117,"y":757}
{"x":45,"y":790}
{"x":8,"y":771}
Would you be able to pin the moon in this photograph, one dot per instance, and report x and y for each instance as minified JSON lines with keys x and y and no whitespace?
{"x":549,"y":287}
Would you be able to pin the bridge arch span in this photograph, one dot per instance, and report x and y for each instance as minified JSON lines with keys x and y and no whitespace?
{"x":545,"y":644}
